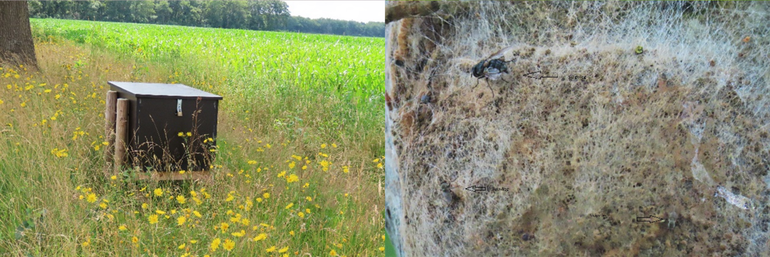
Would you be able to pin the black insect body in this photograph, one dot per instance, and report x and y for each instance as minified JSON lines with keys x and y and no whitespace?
{"x":491,"y":68}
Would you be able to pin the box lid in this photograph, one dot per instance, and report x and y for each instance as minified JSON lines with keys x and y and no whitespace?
{"x":159,"y":90}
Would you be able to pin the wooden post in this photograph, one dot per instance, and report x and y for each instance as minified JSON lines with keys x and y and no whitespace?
{"x":121,"y":134}
{"x":109,"y":127}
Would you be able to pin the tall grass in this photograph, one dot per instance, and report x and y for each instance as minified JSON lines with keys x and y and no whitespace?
{"x":297,"y":171}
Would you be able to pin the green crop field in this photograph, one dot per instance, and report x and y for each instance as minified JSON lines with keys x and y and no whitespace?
{"x":299,"y":157}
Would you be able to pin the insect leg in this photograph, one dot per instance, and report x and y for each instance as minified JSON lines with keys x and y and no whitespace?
{"x":490,"y":87}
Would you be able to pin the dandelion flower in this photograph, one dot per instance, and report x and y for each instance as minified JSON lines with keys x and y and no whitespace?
{"x":260,"y":237}
{"x":301,"y":214}
{"x":334,"y":145}
{"x":197,"y":214}
{"x":259,"y":200}
{"x":309,"y":199}
{"x":122,"y":228}
{"x":113,"y":176}
{"x":323,"y":146}
{"x":180,"y":134}
{"x":283,"y":250}
{"x":91,"y":198}
{"x":289,"y":206}
{"x":266,"y":195}
{"x":215,"y":244}
{"x":181,"y":246}
{"x":144,"y":206}
{"x":229,"y":244}
{"x":158,"y":192}
{"x":333,"y":253}
{"x":224,"y":227}
{"x":239,"y":234}
{"x":134,"y":240}
{"x":160,"y":212}
{"x":181,"y":220}
{"x":382,"y":249}
{"x":153,"y":219}
{"x":345,"y":169}
{"x":271,"y":249}
{"x":189,"y":134}
{"x":283,"y":173}
{"x":181,"y":199}
{"x":292,"y":178}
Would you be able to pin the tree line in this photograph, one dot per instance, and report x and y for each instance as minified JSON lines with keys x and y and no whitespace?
{"x":271,"y":15}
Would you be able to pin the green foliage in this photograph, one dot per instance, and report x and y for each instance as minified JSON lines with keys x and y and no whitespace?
{"x":256,"y":15}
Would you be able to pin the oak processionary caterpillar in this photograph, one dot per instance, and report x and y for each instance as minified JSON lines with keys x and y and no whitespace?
{"x":737,"y":200}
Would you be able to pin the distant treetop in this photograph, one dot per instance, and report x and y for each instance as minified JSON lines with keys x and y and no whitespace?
{"x":271,"y":15}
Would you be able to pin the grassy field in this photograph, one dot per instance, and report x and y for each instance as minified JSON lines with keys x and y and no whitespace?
{"x":298,"y":169}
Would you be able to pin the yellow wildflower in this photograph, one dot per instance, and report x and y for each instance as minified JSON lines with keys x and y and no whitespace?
{"x":292,"y":178}
{"x":271,"y":249}
{"x":260,"y":237}
{"x":229,"y":244}
{"x":289,"y":206}
{"x":215,"y":244}
{"x":91,"y":198}
{"x":153,"y":219}
{"x":301,"y":214}
{"x":181,"y":220}
{"x":197,"y":214}
{"x":283,"y":250}
{"x":239,"y":234}
{"x":266,"y":195}
{"x":382,"y":249}
{"x":160,"y":212}
{"x":181,"y":246}
{"x":323,"y":146}
{"x":283,"y":173}
{"x":158,"y":192}
{"x":224,"y":227}
{"x":180,"y":199}
{"x":333,"y":253}
{"x":122,"y":228}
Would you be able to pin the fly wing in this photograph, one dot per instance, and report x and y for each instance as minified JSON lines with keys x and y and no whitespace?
{"x":501,"y":53}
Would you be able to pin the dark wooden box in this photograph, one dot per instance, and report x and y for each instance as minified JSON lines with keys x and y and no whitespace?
{"x":155,"y":121}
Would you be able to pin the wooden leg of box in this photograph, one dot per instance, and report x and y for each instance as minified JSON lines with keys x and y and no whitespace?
{"x":121,"y":133}
{"x":109,"y":127}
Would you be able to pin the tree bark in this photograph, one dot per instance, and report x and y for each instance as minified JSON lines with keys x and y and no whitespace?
{"x":16,"y":45}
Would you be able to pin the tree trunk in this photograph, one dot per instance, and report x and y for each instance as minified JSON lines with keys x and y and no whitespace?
{"x":16,"y":45}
